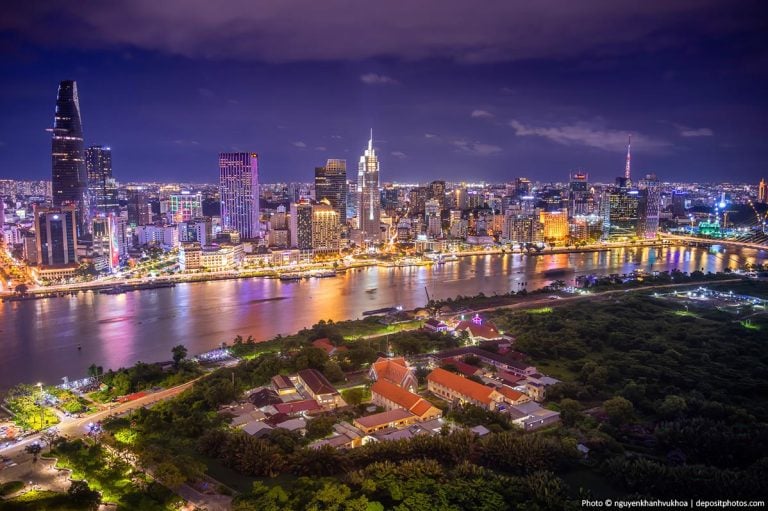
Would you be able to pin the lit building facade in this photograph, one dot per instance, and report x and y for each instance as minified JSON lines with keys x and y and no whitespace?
{"x":301,"y":225}
{"x":185,"y":206}
{"x":239,"y":191}
{"x":326,"y":237}
{"x":69,"y":183}
{"x":369,"y":212}
{"x":56,"y":232}
{"x":649,"y":204}
{"x":554,"y":225}
{"x":331,"y":184}
{"x":102,"y":187}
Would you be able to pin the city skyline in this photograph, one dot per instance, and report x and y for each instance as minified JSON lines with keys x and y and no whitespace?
{"x":445,"y":107}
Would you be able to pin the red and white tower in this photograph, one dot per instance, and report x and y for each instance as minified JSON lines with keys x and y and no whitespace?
{"x":626,"y":167}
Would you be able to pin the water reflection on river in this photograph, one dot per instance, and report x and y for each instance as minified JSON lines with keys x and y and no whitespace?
{"x":39,"y":338}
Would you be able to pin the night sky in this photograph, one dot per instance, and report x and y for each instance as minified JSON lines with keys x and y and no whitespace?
{"x":458,"y":90}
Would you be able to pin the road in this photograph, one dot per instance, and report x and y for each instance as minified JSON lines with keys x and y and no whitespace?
{"x":78,"y":427}
{"x":593,"y":296}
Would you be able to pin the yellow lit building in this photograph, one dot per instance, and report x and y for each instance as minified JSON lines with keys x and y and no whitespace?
{"x":555,"y":224}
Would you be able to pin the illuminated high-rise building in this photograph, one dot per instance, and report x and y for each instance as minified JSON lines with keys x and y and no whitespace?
{"x":56,"y":232}
{"x":69,"y":179}
{"x":649,"y":205}
{"x":185,"y":206}
{"x":301,"y":225}
{"x":102,"y":187}
{"x":139,"y":208}
{"x":325,"y":228}
{"x":762,"y":192}
{"x":620,"y":209}
{"x":437,"y":192}
{"x":369,"y":212}
{"x":239,"y":190}
{"x":579,"y":197}
{"x":331,"y":184}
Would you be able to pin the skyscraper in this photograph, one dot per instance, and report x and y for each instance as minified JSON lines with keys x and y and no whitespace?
{"x":139,"y":208}
{"x":301,"y":225}
{"x":185,"y":206}
{"x":102,"y":188}
{"x":629,"y":160}
{"x":331,"y":184}
{"x":579,"y":197}
{"x":762,"y":192}
{"x":437,"y":192}
{"x":56,"y":232}
{"x":239,"y":189}
{"x":69,"y":179}
{"x":369,"y":212}
{"x":649,"y":205}
{"x":325,"y":228}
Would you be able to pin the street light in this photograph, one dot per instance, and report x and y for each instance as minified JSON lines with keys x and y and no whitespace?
{"x":42,"y":409}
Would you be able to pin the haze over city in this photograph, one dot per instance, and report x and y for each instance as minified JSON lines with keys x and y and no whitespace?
{"x":478,"y":93}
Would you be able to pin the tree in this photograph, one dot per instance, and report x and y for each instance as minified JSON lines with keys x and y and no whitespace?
{"x":353,"y":396}
{"x":95,"y":371}
{"x":570,"y":411}
{"x":179,"y":353}
{"x":619,"y":410}
{"x":169,"y":474}
{"x":21,"y":289}
{"x":82,"y":494}
{"x":333,"y":372}
{"x":673,"y":406}
{"x":320,"y":427}
{"x":49,"y":436}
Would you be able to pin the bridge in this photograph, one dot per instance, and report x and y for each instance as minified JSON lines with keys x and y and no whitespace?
{"x":718,"y":241}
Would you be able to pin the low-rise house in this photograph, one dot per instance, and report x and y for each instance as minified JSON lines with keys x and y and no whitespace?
{"x":297,"y":424}
{"x":390,"y":397}
{"x":480,"y":430}
{"x":478,"y":331}
{"x":508,"y":378}
{"x":531,"y":416}
{"x":435,"y":325}
{"x":455,"y":388}
{"x":464,"y":368}
{"x":243,"y":419}
{"x":510,"y":362}
{"x":537,"y":391}
{"x":394,"y":370}
{"x":294,"y":407}
{"x":345,"y":436}
{"x":512,"y":396}
{"x":326,"y":345}
{"x":321,"y":390}
{"x":257,"y":429}
{"x":283,"y":385}
{"x":264,"y":397}
{"x":395,"y":418}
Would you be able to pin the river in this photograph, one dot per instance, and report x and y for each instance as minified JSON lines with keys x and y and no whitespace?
{"x":39,"y":338}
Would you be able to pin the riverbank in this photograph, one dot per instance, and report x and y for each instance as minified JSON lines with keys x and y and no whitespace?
{"x":362,"y":329}
{"x":65,"y":290}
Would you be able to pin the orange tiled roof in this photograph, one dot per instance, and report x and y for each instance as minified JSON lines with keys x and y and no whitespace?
{"x":393,"y":370}
{"x":461,"y":385}
{"x":401,"y":397}
{"x":324,"y":344}
{"x":512,"y":394}
{"x":383,"y":418}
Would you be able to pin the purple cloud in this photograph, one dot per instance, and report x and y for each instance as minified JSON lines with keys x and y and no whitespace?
{"x":587,"y":134}
{"x":377,"y":79}
{"x":502,"y":30}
